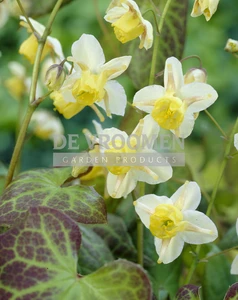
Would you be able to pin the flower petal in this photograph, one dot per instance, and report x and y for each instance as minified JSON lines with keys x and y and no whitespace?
{"x":144,"y":99}
{"x":169,"y":249}
{"x":187,"y":197}
{"x":234,"y":266}
{"x":88,"y":52}
{"x":173,"y":75}
{"x":116,"y":66}
{"x":112,"y":134}
{"x":17,"y":69}
{"x":114,"y":13}
{"x":198,"y":96}
{"x":120,"y":186}
{"x":147,"y":37}
{"x":236,"y":142}
{"x":146,"y":205}
{"x":116,"y":98}
{"x":201,"y":228}
{"x":56,"y":47}
{"x":186,"y":128}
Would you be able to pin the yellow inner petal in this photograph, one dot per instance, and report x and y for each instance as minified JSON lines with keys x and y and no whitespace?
{"x":119,"y":149}
{"x":169,"y":112}
{"x":89,"y":88}
{"x":128,"y":27}
{"x":166,"y":221}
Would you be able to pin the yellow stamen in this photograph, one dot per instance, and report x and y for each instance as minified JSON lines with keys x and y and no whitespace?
{"x":98,"y":113}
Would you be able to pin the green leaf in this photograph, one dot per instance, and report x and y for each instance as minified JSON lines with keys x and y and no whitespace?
{"x":93,"y":253}
{"x":232,"y":293}
{"x":171,"y":40}
{"x":217,"y":276}
{"x":118,"y":280}
{"x":230,"y":239}
{"x":45,"y":187}
{"x":39,"y":256}
{"x":188,"y":292}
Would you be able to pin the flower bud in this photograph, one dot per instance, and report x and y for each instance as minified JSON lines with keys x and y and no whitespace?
{"x":231,"y":46}
{"x":195,"y":75}
{"x":55,"y":77}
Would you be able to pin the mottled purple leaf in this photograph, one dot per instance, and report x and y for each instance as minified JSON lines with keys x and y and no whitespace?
{"x":38,"y":258}
{"x":188,"y":292}
{"x":232,"y":293}
{"x":44,"y":187}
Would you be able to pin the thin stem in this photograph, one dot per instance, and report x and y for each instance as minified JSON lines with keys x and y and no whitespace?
{"x":222,"y":168}
{"x":25,"y":15}
{"x":19,"y":143}
{"x":216,"y":124}
{"x":216,"y":254}
{"x":193,"y":266}
{"x":156,"y":43}
{"x":32,"y":106}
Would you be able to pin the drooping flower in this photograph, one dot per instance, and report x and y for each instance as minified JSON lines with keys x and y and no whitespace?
{"x":174,"y":221}
{"x":46,"y":126}
{"x":128,"y":23}
{"x":175,"y":106}
{"x":231,"y":46}
{"x":123,"y":176}
{"x":236,"y":141}
{"x":92,"y":83}
{"x":195,"y":75}
{"x":29,"y":47}
{"x":234,"y":265}
{"x":205,"y":7}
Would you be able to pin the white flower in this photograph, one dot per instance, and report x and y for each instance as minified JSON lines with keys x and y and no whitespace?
{"x":46,"y":126}
{"x":206,"y":7}
{"x":234,"y":265}
{"x":231,"y":46}
{"x":175,"y":106}
{"x":236,"y":141}
{"x":92,"y":83}
{"x":174,"y":221}
{"x":128,"y":23}
{"x":123,"y":176}
{"x":29,"y":47}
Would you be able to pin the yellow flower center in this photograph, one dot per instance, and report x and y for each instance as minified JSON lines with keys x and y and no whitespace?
{"x":119,"y":149}
{"x":29,"y":47}
{"x":128,"y":27}
{"x":168,"y":112}
{"x":166,"y":221}
{"x":89,"y":88}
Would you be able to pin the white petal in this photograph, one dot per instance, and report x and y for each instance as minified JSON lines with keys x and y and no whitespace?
{"x":115,"y":13}
{"x":198,"y":96}
{"x":186,"y":127}
{"x":56,"y":47}
{"x":116,"y":98}
{"x":161,"y":173}
{"x":127,"y":185}
{"x":116,"y":66}
{"x":98,"y":127}
{"x":148,"y":94}
{"x":150,"y":131}
{"x":112,"y":134}
{"x":39,"y":28}
{"x":169,"y":249}
{"x":87,"y":51}
{"x":173,"y":75}
{"x":187,"y":197}
{"x":146,"y":205}
{"x":4,"y":13}
{"x":147,"y":40}
{"x":236,"y":141}
{"x":234,"y":266}
{"x":206,"y":229}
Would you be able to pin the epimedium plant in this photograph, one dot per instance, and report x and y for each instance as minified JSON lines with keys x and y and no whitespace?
{"x":78,"y":233}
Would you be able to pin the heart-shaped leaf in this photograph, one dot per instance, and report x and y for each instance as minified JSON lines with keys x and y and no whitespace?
{"x":39,"y":261}
{"x":44,"y":187}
